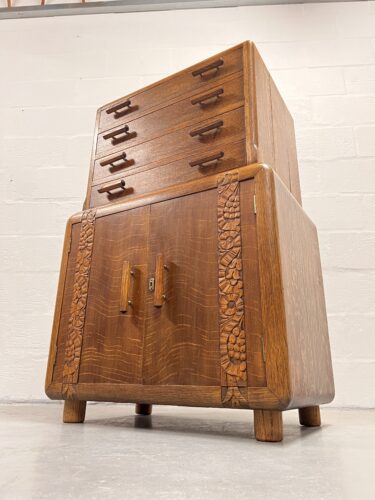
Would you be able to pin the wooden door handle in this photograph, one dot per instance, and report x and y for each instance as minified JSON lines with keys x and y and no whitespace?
{"x":159,"y":295}
{"x":127,"y":274}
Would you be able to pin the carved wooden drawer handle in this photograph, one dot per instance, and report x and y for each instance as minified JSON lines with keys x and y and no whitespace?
{"x":107,"y":188}
{"x":204,"y":162}
{"x":207,"y":97}
{"x":126,"y":278}
{"x":201,"y":131}
{"x":112,"y":161}
{"x":116,"y":110}
{"x":119,"y":135}
{"x":214,"y":66}
{"x":159,"y":295}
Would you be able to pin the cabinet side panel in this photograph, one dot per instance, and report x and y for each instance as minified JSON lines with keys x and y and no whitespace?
{"x":271,"y":289}
{"x":253,"y":320}
{"x":66,"y":305}
{"x":275,"y":129}
{"x":263,"y":105}
{"x":310,"y":366}
{"x":286,"y":164}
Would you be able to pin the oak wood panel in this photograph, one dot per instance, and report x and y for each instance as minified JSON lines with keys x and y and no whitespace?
{"x":271,"y":289}
{"x":181,"y":342}
{"x":63,"y":307}
{"x":256,"y":373}
{"x":176,"y":172}
{"x":310,"y":365}
{"x":275,"y":129}
{"x":205,"y":396}
{"x":179,"y":141}
{"x":176,"y":115}
{"x":173,"y":86}
{"x":250,"y":102}
{"x":194,"y":186}
{"x":263,"y":106}
{"x":112,"y":340}
{"x":284,"y":140}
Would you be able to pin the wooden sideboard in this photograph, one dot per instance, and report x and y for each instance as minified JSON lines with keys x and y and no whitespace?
{"x":192,"y":276}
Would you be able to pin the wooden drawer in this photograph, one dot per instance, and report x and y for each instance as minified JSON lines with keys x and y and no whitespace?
{"x":159,"y":177}
{"x":195,"y":108}
{"x":180,"y":142}
{"x":121,"y":111}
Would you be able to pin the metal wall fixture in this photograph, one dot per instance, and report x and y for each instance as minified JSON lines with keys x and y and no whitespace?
{"x":43,"y":9}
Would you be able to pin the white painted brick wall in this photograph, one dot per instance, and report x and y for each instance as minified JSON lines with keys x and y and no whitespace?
{"x":56,"y":71}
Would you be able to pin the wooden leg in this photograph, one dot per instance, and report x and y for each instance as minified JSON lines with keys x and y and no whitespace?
{"x":268,"y":425}
{"x":74,"y":412}
{"x":310,"y":416}
{"x":143,"y":409}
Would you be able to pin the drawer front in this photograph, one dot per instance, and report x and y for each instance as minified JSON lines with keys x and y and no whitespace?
{"x":195,"y":108}
{"x":183,"y":170}
{"x":230,"y":128}
{"x":121,"y":111}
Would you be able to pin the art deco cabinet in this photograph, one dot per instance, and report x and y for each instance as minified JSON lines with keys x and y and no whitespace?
{"x":192,"y":276}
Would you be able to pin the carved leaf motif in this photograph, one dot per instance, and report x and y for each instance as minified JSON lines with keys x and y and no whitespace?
{"x":231,"y":305}
{"x":79,"y":301}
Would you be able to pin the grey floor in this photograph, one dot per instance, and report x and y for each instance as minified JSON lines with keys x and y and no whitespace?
{"x":181,"y":453}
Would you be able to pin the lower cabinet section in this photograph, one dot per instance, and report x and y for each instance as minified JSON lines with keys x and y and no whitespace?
{"x":156,"y":295}
{"x":194,"y":300}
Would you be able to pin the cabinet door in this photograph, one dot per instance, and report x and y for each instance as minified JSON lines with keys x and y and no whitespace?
{"x":113,"y":332}
{"x":181,"y":343}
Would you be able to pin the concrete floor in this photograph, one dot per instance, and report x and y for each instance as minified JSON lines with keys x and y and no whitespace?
{"x":182,"y":453}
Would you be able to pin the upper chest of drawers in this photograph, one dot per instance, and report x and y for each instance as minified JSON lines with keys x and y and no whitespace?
{"x":189,"y":81}
{"x":212,"y":101}
{"x":222,"y":113}
{"x":187,"y":126}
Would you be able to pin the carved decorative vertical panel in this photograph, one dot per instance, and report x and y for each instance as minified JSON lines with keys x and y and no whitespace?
{"x":73,"y":345}
{"x":231,"y":303}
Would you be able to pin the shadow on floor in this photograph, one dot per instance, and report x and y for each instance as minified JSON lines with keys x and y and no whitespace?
{"x":223,"y":428}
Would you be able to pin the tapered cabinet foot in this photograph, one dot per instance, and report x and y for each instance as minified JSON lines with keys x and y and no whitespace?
{"x":74,"y":412}
{"x":143,"y":409}
{"x":268,"y":425}
{"x":310,"y":416}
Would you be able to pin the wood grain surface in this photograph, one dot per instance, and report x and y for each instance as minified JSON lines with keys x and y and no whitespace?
{"x":156,"y":176}
{"x":186,"y":395}
{"x":268,"y":425}
{"x":157,"y":94}
{"x":112,"y":346}
{"x":181,"y":343}
{"x":231,"y":293}
{"x":275,"y":137}
{"x":178,"y":141}
{"x":74,"y":412}
{"x":178,"y":114}
{"x":256,"y":372}
{"x":310,"y":365}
